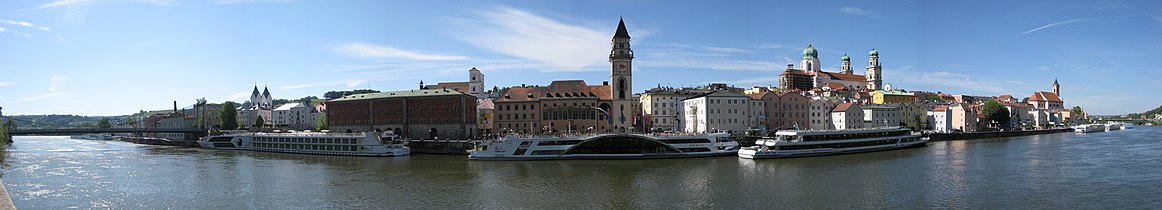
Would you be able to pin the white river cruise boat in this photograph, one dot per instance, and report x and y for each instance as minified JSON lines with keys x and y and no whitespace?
{"x":799,"y":143}
{"x":1089,"y":128}
{"x":352,"y":144}
{"x":604,"y":146}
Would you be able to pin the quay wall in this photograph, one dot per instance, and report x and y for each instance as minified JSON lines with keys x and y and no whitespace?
{"x":994,"y":134}
{"x":447,"y":147}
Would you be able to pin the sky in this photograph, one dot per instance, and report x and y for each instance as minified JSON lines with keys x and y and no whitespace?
{"x":115,"y":57}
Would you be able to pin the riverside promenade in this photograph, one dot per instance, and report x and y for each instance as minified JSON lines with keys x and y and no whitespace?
{"x":5,"y":201}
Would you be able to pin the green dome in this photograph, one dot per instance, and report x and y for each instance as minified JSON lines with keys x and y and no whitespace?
{"x":810,"y":52}
{"x":874,"y":52}
{"x":845,"y":58}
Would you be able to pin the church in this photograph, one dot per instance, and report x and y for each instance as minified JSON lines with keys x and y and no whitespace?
{"x":812,"y":76}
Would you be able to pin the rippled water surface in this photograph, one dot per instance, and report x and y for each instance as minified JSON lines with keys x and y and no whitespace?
{"x":1120,"y":169}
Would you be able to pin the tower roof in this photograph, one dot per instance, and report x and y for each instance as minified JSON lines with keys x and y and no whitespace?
{"x":810,"y":52}
{"x":1055,"y":82}
{"x":845,"y":58}
{"x":621,"y":32}
{"x":265,"y":91}
{"x":255,"y":93}
{"x":873,"y":52}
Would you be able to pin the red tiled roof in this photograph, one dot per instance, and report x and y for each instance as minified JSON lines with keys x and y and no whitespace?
{"x":939,"y":109}
{"x":847,"y":77}
{"x":563,"y":88}
{"x":758,"y":96}
{"x":1045,"y":96}
{"x":842,"y":107}
{"x":835,"y":86}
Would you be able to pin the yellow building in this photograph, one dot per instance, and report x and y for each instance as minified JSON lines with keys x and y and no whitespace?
{"x":894,"y":96}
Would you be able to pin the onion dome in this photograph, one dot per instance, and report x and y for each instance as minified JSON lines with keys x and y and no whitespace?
{"x":810,"y":52}
{"x":845,"y":58}
{"x":873,"y":52}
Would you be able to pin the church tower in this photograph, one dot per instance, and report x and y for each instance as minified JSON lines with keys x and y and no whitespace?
{"x":621,"y":78}
{"x":874,"y":81}
{"x":846,"y":69}
{"x":255,"y":98}
{"x":476,"y":83}
{"x":810,"y":60}
{"x":1056,"y":88}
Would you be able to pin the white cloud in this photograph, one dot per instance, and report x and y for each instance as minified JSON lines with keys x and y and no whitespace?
{"x":348,"y":82}
{"x":366,"y":50}
{"x":1043,"y":68}
{"x":858,"y":12}
{"x":3,"y":83}
{"x":238,"y":97}
{"x":753,"y":81}
{"x":725,"y":50}
{"x":531,"y":37}
{"x":768,"y":46}
{"x":61,"y":3}
{"x":25,"y":24}
{"x":1053,"y":25}
{"x":56,"y":84}
{"x":250,"y":1}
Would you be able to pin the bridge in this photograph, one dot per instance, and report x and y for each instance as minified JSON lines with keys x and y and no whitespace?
{"x":65,"y":131}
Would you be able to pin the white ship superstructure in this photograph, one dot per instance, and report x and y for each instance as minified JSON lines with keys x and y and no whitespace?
{"x":353,"y":144}
{"x":797,"y":143}
{"x":604,"y":146}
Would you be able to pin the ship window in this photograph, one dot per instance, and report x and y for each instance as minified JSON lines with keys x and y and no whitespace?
{"x":622,"y":145}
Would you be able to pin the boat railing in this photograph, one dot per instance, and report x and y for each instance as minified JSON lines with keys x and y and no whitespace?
{"x":312,"y":134}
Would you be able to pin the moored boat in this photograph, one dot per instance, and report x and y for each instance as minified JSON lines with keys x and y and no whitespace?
{"x":604,"y":146}
{"x":799,"y":143}
{"x":91,"y":136}
{"x":1089,"y":128}
{"x":351,"y":144}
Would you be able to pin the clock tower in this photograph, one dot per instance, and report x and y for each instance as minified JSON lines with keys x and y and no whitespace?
{"x":621,"y":79}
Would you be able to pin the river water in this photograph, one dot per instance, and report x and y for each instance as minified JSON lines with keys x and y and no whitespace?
{"x":1119,"y":170}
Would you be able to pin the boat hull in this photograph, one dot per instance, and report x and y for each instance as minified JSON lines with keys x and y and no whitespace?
{"x":610,"y":156}
{"x":751,"y":154}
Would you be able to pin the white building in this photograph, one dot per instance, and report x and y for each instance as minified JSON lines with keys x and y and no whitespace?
{"x":880,"y":116}
{"x":819,"y":114}
{"x":294,"y":116}
{"x":721,"y":111}
{"x":941,"y":119}
{"x":847,"y":116}
{"x":664,"y":108}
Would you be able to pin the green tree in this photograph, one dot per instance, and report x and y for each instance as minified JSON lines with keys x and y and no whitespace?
{"x":4,"y":137}
{"x":321,"y":123}
{"x":229,"y":116}
{"x":996,"y":113}
{"x":104,"y":123}
{"x":936,"y":99}
{"x":258,"y":122}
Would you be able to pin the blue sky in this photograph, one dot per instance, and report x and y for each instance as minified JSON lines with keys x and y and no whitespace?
{"x":112,"y":57}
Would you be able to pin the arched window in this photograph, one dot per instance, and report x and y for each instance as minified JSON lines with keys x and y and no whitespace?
{"x":621,"y":86}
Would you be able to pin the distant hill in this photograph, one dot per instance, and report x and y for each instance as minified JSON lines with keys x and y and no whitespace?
{"x":57,"y":121}
{"x":1148,"y":114}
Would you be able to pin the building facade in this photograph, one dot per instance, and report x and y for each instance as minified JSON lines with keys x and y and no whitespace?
{"x":413,"y":114}
{"x":721,"y":111}
{"x":878,"y":116}
{"x":819,"y":114}
{"x":964,"y":118}
{"x":892,"y":96}
{"x":812,"y":76}
{"x":941,"y":119}
{"x":847,"y":116}
{"x":784,"y":110}
{"x":296,"y":115}
{"x":662,"y":107}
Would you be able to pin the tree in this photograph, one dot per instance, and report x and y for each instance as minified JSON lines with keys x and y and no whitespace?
{"x":936,"y":99}
{"x":4,"y":137}
{"x":307,"y":100}
{"x":996,"y":112}
{"x":1025,"y":100}
{"x":258,"y":122}
{"x":321,"y":123}
{"x":104,"y":123}
{"x":229,"y":116}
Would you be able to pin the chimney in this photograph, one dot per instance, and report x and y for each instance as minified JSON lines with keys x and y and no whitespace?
{"x":175,"y":106}
{"x":790,"y":66}
{"x":605,"y":83}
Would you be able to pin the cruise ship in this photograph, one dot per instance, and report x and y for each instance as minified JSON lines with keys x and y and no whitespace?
{"x":1089,"y":128}
{"x":604,"y":146}
{"x":800,"y":143}
{"x":351,"y":144}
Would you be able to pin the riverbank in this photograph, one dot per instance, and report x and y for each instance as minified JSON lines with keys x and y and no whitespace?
{"x":994,"y":134}
{"x":5,"y":201}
